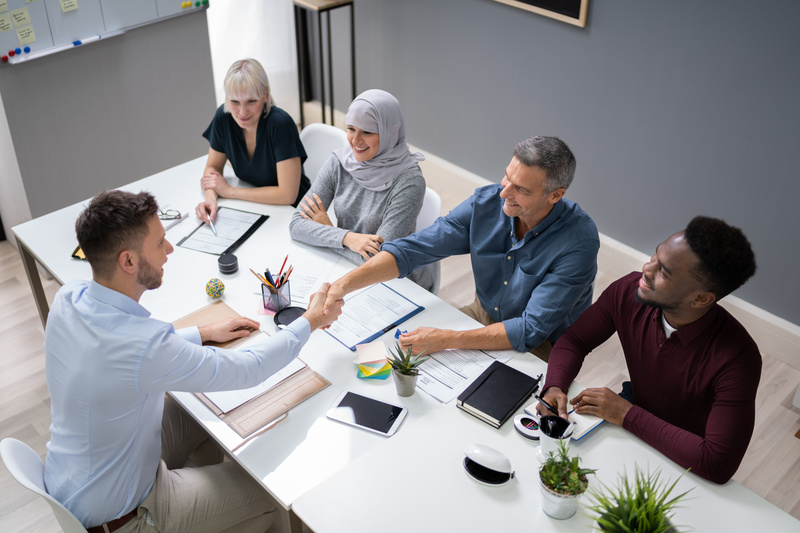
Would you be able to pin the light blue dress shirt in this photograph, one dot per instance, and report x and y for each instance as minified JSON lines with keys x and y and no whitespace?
{"x":536,"y":286}
{"x":108,"y":365}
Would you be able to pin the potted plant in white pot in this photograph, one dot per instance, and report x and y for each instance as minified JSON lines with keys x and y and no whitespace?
{"x":405,"y":369}
{"x":641,"y":506}
{"x":562,"y":482}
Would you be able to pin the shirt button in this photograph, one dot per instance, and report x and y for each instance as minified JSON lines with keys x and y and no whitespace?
{"x":495,"y":309}
{"x":509,"y":258}
{"x":505,"y":283}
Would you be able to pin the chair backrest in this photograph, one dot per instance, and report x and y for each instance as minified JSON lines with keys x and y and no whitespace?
{"x":27,"y":468}
{"x":320,"y":140}
{"x":431,"y":210}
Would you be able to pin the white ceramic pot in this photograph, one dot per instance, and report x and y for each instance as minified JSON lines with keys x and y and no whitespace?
{"x":405,"y":384}
{"x":558,"y":506}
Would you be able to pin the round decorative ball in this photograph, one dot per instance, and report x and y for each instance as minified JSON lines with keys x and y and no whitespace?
{"x":215,"y":288}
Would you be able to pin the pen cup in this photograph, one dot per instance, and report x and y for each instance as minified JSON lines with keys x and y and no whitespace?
{"x":551,"y":430}
{"x":276,"y":299}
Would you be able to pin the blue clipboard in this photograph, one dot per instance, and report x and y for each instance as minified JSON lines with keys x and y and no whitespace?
{"x":417,"y":309}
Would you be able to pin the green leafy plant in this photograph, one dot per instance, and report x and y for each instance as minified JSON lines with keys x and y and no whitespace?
{"x":403,"y":362}
{"x":563,"y":474}
{"x":641,"y":506}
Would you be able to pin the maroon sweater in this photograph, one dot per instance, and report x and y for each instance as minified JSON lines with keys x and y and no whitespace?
{"x":693,"y":394}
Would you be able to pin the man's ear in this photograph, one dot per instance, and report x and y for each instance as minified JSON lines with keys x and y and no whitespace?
{"x":703,"y":299}
{"x":127,"y":261}
{"x":556,"y":195}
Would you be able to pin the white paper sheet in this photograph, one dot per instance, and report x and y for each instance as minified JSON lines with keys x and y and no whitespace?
{"x":446,"y":374}
{"x":230,"y":225}
{"x":370,"y":312}
{"x":231,"y":399}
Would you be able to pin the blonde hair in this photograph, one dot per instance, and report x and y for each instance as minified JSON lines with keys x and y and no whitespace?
{"x":245,"y":79}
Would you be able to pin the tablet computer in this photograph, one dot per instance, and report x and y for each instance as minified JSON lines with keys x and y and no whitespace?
{"x":367,"y":413}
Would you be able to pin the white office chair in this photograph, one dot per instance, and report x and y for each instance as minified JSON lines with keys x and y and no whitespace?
{"x":320,"y":140}
{"x":27,"y":468}
{"x":431,"y":209}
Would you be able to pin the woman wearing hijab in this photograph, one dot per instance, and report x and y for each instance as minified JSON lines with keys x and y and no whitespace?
{"x":258,"y":138}
{"x":376,"y":183}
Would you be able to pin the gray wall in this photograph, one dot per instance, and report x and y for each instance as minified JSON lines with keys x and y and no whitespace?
{"x":673,"y":108}
{"x":111,"y":112}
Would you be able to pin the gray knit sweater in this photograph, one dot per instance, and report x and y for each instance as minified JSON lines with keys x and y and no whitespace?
{"x":391,"y":213}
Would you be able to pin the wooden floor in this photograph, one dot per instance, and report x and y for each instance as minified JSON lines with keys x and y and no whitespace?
{"x":771,"y":467}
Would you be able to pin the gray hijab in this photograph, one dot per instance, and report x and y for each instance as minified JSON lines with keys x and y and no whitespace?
{"x":378,"y":112}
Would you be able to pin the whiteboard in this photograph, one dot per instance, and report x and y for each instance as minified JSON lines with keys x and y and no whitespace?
{"x":41,"y":27}
{"x":18,"y":16}
{"x":77,"y":24}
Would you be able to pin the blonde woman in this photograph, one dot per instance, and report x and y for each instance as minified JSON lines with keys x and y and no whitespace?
{"x":258,"y":138}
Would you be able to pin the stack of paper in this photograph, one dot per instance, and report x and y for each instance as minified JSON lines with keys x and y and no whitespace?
{"x":371,"y":361}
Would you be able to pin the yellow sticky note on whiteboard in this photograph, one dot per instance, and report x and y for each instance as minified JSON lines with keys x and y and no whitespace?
{"x":21,"y":17}
{"x":68,"y":5}
{"x":25,"y":35}
{"x":5,"y":22}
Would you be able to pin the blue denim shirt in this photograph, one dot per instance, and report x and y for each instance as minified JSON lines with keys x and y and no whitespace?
{"x":536,"y":286}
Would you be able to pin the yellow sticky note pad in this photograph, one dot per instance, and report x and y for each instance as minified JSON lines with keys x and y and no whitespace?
{"x":21,"y":17}
{"x":5,"y":22}
{"x":68,"y":5}
{"x":374,"y":371}
{"x":372,"y":352}
{"x":3,"y":6}
{"x":25,"y":35}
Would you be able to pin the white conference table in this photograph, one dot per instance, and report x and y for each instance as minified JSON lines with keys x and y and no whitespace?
{"x":337,"y":478}
{"x":306,"y":448}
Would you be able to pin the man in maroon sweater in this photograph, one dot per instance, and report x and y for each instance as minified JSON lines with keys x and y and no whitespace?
{"x":693,"y":368}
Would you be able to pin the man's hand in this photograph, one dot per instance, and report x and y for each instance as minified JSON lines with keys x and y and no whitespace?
{"x":228,"y":329}
{"x":557,"y":399}
{"x":364,"y":244}
{"x":315,"y":315}
{"x":313,"y":209}
{"x":334,"y":299}
{"x":602,"y":402}
{"x":428,"y":340}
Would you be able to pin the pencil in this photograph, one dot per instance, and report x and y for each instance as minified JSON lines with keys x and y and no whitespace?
{"x":283,"y":265}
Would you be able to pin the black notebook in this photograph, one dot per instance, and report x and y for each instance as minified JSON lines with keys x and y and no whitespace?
{"x":497,"y":393}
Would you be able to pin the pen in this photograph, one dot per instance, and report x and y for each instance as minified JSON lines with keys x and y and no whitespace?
{"x":211,"y":223}
{"x":550,"y":407}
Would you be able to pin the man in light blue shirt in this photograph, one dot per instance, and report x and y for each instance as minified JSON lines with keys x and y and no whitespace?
{"x":534,"y":256}
{"x":108,"y":366}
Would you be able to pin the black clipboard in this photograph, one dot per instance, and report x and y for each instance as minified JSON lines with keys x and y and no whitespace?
{"x":238,"y":242}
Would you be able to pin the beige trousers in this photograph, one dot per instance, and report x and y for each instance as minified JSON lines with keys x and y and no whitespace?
{"x":215,"y":498}
{"x":475,"y":310}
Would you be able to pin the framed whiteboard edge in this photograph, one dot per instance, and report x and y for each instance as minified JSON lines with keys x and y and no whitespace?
{"x":581,"y":21}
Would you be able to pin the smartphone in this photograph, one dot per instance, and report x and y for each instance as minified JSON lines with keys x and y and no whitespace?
{"x":367,"y":413}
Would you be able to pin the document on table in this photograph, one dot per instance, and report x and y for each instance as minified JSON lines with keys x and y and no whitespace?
{"x":232,"y":225}
{"x":370,"y":313}
{"x":446,"y":374}
{"x":231,"y":399}
{"x":310,"y":271}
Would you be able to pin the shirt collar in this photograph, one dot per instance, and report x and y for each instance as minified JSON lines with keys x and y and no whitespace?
{"x":688,"y":333}
{"x":116,"y":299}
{"x":558,"y":209}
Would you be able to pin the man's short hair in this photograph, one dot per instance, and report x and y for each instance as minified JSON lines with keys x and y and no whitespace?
{"x":552,"y":155}
{"x":113,"y":222}
{"x":726,"y":259}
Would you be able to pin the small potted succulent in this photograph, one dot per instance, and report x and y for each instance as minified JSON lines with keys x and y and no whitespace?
{"x":404,"y":369}
{"x":641,"y":506}
{"x":562,"y":481}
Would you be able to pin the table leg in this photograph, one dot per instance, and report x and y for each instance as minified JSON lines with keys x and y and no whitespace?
{"x":295,"y":525}
{"x":35,"y":281}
